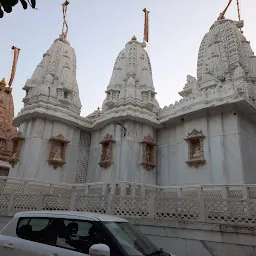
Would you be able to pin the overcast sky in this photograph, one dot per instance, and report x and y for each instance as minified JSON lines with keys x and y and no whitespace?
{"x":99,"y":30}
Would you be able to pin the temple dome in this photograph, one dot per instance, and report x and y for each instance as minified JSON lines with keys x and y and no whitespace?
{"x":223,"y":50}
{"x":54,"y":78}
{"x":131,"y":81}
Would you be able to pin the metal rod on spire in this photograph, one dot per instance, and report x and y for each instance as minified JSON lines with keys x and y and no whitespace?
{"x":146,"y":24}
{"x":65,"y":25}
{"x":16,"y":52}
{"x":221,"y":17}
{"x":238,"y":10}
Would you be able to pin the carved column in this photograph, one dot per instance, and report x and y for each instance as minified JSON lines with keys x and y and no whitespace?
{"x":195,"y":148}
{"x":57,"y":156}
{"x":148,"y":153}
{"x":106,"y":151}
{"x":16,"y":149}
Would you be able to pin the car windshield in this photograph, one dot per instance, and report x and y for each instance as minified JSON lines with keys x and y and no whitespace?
{"x":131,"y":239}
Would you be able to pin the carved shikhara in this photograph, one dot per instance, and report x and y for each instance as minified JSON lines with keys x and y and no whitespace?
{"x":106,"y":151}
{"x":148,"y":153}
{"x":16,"y":149}
{"x":195,"y":148}
{"x":58,"y":149}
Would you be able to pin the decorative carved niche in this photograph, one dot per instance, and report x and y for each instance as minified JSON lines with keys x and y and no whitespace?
{"x":148,"y":153}
{"x":16,"y":148}
{"x":106,"y":151}
{"x":58,"y":149}
{"x":195,"y":148}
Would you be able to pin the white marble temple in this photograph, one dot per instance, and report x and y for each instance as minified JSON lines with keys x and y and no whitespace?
{"x":219,"y":104}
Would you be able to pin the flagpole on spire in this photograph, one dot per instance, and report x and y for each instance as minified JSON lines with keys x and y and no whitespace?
{"x":146,"y":25}
{"x":238,"y":10}
{"x":65,"y":25}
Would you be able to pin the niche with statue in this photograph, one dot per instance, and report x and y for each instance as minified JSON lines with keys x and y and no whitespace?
{"x":57,"y":156}
{"x":106,"y":151}
{"x":148,"y":153}
{"x":195,"y":148}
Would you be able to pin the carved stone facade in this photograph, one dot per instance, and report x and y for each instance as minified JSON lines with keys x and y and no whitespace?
{"x":17,"y":147}
{"x":106,"y":151}
{"x":148,"y":153}
{"x":225,"y":85}
{"x":195,"y":148}
{"x":58,"y":149}
{"x":7,"y":130}
{"x":83,"y":157}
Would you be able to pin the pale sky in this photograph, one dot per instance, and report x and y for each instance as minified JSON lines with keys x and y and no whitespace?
{"x":99,"y":30}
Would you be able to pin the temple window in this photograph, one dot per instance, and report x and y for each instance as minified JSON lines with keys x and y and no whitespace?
{"x":195,"y":148}
{"x":16,"y":149}
{"x":58,"y":149}
{"x":148,"y":153}
{"x":106,"y":151}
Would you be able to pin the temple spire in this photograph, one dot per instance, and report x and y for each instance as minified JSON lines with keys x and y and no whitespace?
{"x":65,"y":25}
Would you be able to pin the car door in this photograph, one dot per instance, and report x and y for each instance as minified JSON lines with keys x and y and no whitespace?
{"x":14,"y":246}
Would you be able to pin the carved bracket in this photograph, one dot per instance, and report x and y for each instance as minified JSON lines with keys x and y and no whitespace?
{"x":148,"y":153}
{"x":195,"y":148}
{"x":16,"y":149}
{"x":106,"y":151}
{"x":58,"y":149}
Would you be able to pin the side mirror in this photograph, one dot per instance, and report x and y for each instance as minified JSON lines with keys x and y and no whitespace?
{"x":99,"y":250}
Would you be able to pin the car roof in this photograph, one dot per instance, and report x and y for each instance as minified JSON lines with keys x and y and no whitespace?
{"x":70,"y":214}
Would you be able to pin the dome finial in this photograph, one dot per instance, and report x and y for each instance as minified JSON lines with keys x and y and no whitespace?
{"x":3,"y":82}
{"x":134,"y":38}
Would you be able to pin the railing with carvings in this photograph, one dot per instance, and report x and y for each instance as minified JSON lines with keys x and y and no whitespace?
{"x":233,"y":205}
{"x":22,"y":186}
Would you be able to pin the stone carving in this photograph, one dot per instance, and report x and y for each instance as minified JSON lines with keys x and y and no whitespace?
{"x":16,"y":150}
{"x":107,"y":151}
{"x":148,"y":153}
{"x":132,"y":78}
{"x":55,"y":78}
{"x":191,"y":81}
{"x":197,"y":153}
{"x":222,"y":49}
{"x":7,"y":130}
{"x":57,"y":156}
{"x":195,"y":148}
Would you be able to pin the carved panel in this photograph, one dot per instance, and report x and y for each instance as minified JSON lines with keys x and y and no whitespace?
{"x":106,"y":151}
{"x":16,"y":150}
{"x":148,"y":153}
{"x":58,"y":149}
{"x":195,"y":148}
{"x":83,"y":157}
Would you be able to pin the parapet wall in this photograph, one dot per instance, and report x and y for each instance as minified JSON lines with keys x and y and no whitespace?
{"x":192,"y":220}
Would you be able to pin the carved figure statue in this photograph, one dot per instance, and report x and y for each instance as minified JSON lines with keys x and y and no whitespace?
{"x":108,"y":153}
{"x":57,"y":152}
{"x":148,"y":154}
{"x":197,"y":153}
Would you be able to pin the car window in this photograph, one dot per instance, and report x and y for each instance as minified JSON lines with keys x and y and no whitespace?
{"x":77,"y":235}
{"x":80,"y":235}
{"x":36,"y":229}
